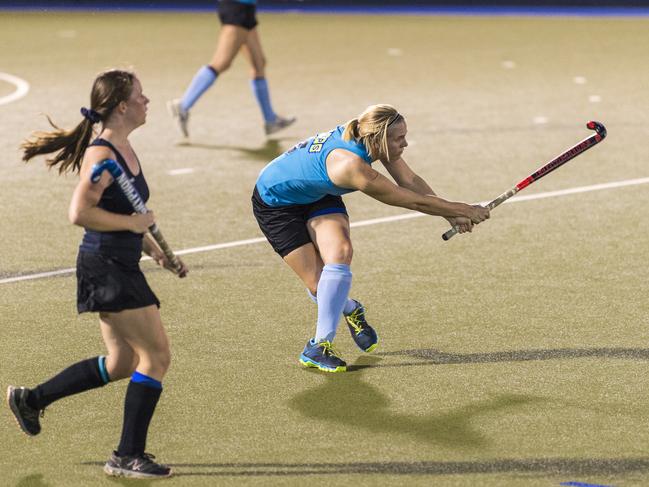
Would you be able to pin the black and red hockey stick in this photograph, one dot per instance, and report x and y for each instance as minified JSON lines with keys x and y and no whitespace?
{"x":558,"y":161}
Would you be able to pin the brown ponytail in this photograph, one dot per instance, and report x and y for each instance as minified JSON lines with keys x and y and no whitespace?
{"x":108,"y":90}
{"x":71,"y":145}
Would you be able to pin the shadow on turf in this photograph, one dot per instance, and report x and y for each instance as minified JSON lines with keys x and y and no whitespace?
{"x":431,"y":356}
{"x":34,"y":480}
{"x":269,"y":151}
{"x":347,"y":400}
{"x":582,"y":467}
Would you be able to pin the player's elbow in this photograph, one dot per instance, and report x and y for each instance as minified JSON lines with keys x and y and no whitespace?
{"x":75,"y":216}
{"x":366,"y":182}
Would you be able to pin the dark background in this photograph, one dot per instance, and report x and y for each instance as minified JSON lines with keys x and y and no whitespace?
{"x":338,"y":4}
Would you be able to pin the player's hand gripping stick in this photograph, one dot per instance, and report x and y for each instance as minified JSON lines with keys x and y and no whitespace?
{"x":135,"y":199}
{"x":558,"y":161}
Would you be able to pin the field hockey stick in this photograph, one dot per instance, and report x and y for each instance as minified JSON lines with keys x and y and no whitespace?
{"x":558,"y":161}
{"x":135,"y":199}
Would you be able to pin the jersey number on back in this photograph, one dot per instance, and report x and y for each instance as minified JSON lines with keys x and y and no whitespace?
{"x":314,"y":143}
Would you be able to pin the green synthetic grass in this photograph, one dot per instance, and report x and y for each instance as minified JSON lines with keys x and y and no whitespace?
{"x":513,"y":356}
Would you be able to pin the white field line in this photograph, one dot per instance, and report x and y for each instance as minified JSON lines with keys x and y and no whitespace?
{"x":178,"y":172}
{"x":22,"y":88}
{"x":362,"y":223}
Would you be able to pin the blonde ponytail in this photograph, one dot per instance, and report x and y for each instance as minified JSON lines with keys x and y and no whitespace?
{"x":371,"y":128}
{"x":351,"y":130}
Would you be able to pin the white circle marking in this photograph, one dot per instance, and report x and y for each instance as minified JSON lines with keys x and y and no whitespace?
{"x":22,"y":88}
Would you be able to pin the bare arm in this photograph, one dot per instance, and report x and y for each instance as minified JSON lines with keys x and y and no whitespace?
{"x":153,"y":250}
{"x":83,"y":209}
{"x":407,"y":178}
{"x":350,"y":171}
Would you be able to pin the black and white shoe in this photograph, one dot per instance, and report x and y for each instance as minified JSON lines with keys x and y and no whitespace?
{"x":26,"y":416}
{"x":136,"y":466}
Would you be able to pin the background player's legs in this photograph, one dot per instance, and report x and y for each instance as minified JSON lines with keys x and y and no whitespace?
{"x":230,"y":40}
{"x":254,"y":53}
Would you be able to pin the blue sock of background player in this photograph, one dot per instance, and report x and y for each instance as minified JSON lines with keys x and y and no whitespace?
{"x":205,"y":78}
{"x":238,"y":33}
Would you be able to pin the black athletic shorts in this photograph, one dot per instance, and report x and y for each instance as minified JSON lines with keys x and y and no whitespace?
{"x":111,"y":284}
{"x":237,"y":13}
{"x":285,"y":226}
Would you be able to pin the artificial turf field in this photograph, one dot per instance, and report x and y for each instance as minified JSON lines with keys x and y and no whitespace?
{"x":514,"y":356}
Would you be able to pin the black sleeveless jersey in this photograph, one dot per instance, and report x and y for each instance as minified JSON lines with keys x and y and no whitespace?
{"x":124,"y":244}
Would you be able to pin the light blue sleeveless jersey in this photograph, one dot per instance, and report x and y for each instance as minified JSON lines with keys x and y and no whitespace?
{"x":299,"y":176}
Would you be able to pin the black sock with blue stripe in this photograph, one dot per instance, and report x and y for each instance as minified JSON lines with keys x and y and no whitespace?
{"x":82,"y":376}
{"x":142,"y":396}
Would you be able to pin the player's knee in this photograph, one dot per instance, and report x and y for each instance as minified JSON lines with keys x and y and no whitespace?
{"x":221,"y":66}
{"x":121,"y":365}
{"x":344,"y":252}
{"x":163,"y":359}
{"x":157,"y":358}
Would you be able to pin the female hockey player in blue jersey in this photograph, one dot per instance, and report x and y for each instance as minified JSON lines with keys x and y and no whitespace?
{"x":297,"y":203}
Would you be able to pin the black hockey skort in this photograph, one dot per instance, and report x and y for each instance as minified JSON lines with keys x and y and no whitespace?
{"x":106,"y":283}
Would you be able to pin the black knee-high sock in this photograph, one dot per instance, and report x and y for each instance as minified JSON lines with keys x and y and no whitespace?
{"x":82,"y":376}
{"x":140,"y":403}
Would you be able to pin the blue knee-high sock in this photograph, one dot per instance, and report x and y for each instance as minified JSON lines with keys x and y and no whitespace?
{"x":203,"y":79}
{"x":333,"y":288}
{"x":350,"y":305}
{"x":260,"y":89}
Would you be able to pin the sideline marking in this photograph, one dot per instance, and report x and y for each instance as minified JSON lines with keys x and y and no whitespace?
{"x":362,"y":223}
{"x":178,"y":172}
{"x":582,"y":484}
{"x":67,"y":34}
{"x":22,"y":87}
{"x":124,"y":6}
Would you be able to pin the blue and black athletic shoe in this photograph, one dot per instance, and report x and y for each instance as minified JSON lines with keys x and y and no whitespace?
{"x":323,"y":356}
{"x":363,"y":334}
